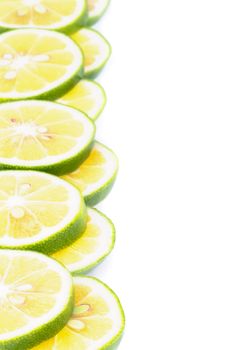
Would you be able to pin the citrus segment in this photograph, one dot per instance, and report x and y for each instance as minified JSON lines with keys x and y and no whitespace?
{"x":97,"y":321}
{"x":92,"y":247}
{"x":96,"y":9}
{"x":39,"y":211}
{"x":87,"y":96}
{"x":46,"y":14}
{"x":37,"y":63}
{"x":36,"y":298}
{"x":96,"y":175}
{"x":96,"y":50}
{"x":44,"y":136}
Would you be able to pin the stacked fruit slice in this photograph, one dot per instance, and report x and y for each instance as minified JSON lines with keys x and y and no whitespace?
{"x":52,"y":172}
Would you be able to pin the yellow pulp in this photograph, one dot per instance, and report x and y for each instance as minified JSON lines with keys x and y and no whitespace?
{"x":33,"y":132}
{"x":86,"y":96}
{"x":37,"y":13}
{"x":30,"y":204}
{"x":25,"y":296}
{"x":31,"y":61}
{"x":90,"y":172}
{"x":90,"y":322}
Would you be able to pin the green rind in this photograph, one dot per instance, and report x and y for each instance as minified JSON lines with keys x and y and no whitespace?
{"x":44,"y":332}
{"x":115,"y":341}
{"x":96,"y":71}
{"x":68,"y":29}
{"x":62,"y":167}
{"x":59,"y":240}
{"x":56,"y":92}
{"x":91,"y":20}
{"x":91,"y":266}
{"x":93,"y":73}
{"x":101,"y":193}
{"x":98,"y":196}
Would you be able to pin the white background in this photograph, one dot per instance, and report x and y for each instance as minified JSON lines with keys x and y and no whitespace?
{"x":169,"y":119}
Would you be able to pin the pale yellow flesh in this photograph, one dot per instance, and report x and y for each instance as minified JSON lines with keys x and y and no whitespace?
{"x":86,"y":96}
{"x":94,"y":243}
{"x":93,"y":320}
{"x":29,"y":289}
{"x":33,"y":132}
{"x":90,"y":172}
{"x":33,"y":60}
{"x":30,"y":204}
{"x":38,"y":13}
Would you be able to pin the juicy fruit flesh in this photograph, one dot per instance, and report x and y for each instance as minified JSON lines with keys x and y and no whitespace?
{"x":35,"y":12}
{"x":94,"y":322}
{"x":92,"y":245}
{"x":29,"y":289}
{"x":95,"y":48}
{"x":40,"y":131}
{"x":33,"y":59}
{"x":30,"y":205}
{"x":86,"y":96}
{"x":94,"y":171}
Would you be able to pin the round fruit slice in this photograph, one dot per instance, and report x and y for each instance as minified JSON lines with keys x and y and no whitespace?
{"x":87,"y":96}
{"x":37,"y":63}
{"x":96,"y":175}
{"x":96,"y":9}
{"x":97,"y":322}
{"x":96,"y":50}
{"x":94,"y":245}
{"x":44,"y":136}
{"x":39,"y":211}
{"x":47,"y":14}
{"x":36,"y":299}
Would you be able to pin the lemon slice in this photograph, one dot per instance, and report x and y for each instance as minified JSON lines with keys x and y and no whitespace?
{"x":59,"y":15}
{"x":96,"y":9}
{"x":87,"y":96}
{"x":37,"y":63}
{"x":92,"y":247}
{"x":39,"y":211}
{"x":44,"y":136}
{"x":36,"y":299}
{"x":97,"y":322}
{"x":96,"y":50}
{"x":96,"y":175}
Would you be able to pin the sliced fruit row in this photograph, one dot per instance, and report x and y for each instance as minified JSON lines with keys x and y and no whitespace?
{"x":49,"y":14}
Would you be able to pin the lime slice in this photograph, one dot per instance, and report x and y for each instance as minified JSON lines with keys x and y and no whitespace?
{"x":39,"y":211}
{"x":96,"y":50}
{"x":96,"y":175}
{"x":65,"y":16}
{"x":97,"y":322}
{"x":87,"y":96}
{"x":95,"y":244}
{"x":36,"y":299}
{"x":96,"y":9}
{"x":37,"y":63}
{"x":44,"y":136}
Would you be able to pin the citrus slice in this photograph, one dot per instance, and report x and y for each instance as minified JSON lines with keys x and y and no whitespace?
{"x":92,"y":247}
{"x":87,"y":96}
{"x":44,"y":136}
{"x":96,"y":9}
{"x":47,"y":14}
{"x":37,"y":63}
{"x":39,"y":211}
{"x":96,"y":175}
{"x":97,"y":322}
{"x":36,"y":299}
{"x":96,"y":50}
